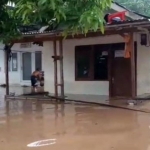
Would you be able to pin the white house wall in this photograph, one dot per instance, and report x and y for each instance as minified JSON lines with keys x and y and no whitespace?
{"x":79,"y":87}
{"x":72,"y":86}
{"x":15,"y":77}
{"x":2,"y":69}
{"x":143,"y":67}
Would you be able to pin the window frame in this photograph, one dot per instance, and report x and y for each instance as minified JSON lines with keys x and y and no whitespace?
{"x":91,"y":70}
{"x":78,"y":48}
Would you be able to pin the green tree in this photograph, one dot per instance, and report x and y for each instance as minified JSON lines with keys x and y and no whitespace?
{"x":71,"y":15}
{"x":8,"y":23}
{"x":8,"y":31}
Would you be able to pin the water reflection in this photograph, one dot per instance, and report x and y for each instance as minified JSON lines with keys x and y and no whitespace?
{"x":28,"y":106}
{"x":7,"y":108}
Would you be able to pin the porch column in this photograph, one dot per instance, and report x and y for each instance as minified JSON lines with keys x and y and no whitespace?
{"x":55,"y":68}
{"x":7,"y":72}
{"x":133,"y":66}
{"x":130,"y":53}
{"x":61,"y":67}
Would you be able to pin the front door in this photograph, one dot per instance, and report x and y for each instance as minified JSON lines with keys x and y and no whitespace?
{"x":26,"y":66}
{"x":121,"y":75}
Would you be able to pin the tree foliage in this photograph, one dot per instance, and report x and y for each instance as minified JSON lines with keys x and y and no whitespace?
{"x":68,"y":15}
{"x":74,"y":15}
{"x":8,"y":23}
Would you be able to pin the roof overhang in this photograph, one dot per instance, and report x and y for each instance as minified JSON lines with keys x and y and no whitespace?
{"x":109,"y":30}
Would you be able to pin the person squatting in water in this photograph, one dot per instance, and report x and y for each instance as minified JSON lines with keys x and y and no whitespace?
{"x":35,"y":78}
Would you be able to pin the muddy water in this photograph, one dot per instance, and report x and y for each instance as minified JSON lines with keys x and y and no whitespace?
{"x":74,"y":126}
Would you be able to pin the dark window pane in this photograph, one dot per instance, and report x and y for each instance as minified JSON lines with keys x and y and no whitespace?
{"x":26,"y":65}
{"x":38,"y":60}
{"x":83,"y":61}
{"x":100,"y":64}
{"x":14,"y":61}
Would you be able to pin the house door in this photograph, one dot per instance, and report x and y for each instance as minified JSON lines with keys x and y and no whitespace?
{"x":26,"y":66}
{"x":121,"y":75}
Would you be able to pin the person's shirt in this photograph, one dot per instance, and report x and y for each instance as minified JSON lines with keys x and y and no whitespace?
{"x":37,"y":74}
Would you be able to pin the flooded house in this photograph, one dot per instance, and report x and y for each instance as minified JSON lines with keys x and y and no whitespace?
{"x":114,"y":63}
{"x":26,"y":57}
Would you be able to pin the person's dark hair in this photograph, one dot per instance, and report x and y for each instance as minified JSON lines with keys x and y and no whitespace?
{"x":37,"y":69}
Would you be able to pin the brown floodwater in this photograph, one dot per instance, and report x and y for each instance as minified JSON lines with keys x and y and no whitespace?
{"x":73,"y":126}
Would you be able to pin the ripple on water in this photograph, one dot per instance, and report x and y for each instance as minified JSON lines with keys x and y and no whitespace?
{"x":42,"y":143}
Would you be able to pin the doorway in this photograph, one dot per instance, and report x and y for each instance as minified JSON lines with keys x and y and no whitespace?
{"x":26,"y":66}
{"x":120,"y":80}
{"x":121,"y":75}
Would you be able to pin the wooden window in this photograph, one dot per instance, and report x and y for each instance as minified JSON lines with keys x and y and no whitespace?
{"x":91,"y":63}
{"x":100,"y":63}
{"x":82,"y":57}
